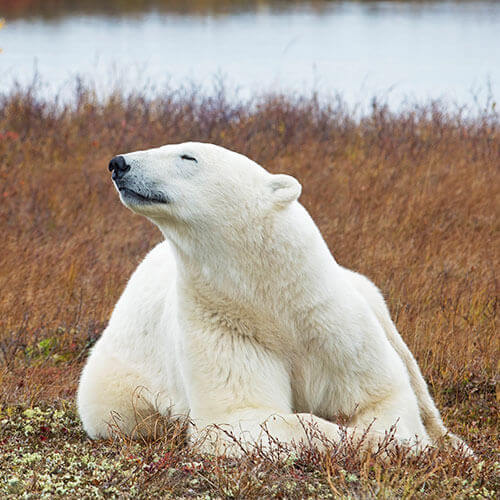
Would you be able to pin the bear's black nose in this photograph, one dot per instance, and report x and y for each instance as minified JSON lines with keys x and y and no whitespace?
{"x":119,"y":167}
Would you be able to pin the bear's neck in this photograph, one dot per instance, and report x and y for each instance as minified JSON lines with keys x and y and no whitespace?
{"x":273,"y":271}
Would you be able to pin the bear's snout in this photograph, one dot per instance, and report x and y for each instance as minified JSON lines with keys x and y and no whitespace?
{"x":119,"y":167}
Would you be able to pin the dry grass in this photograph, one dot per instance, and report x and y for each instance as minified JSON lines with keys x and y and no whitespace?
{"x":56,"y":8}
{"x":410,"y":199}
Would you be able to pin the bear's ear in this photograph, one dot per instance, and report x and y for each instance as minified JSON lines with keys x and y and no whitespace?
{"x":284,"y":188}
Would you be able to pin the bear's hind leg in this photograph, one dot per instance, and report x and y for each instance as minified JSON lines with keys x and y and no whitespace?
{"x":397,"y":415}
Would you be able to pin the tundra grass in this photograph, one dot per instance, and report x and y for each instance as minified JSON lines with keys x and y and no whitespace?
{"x":411,"y":199}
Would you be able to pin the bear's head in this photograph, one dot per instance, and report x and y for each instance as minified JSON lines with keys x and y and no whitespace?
{"x":200,"y":187}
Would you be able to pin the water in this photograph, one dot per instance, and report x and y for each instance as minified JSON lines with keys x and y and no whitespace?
{"x":398,"y":51}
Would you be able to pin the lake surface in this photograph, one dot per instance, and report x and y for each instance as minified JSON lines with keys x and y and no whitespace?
{"x":397,"y":51}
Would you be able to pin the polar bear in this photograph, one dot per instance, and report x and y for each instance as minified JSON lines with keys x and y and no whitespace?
{"x":243,"y":320}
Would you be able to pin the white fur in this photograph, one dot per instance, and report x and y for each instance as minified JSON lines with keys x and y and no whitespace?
{"x":242,"y":317}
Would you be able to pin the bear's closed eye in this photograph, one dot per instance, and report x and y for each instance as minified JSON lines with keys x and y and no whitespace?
{"x":187,"y":157}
